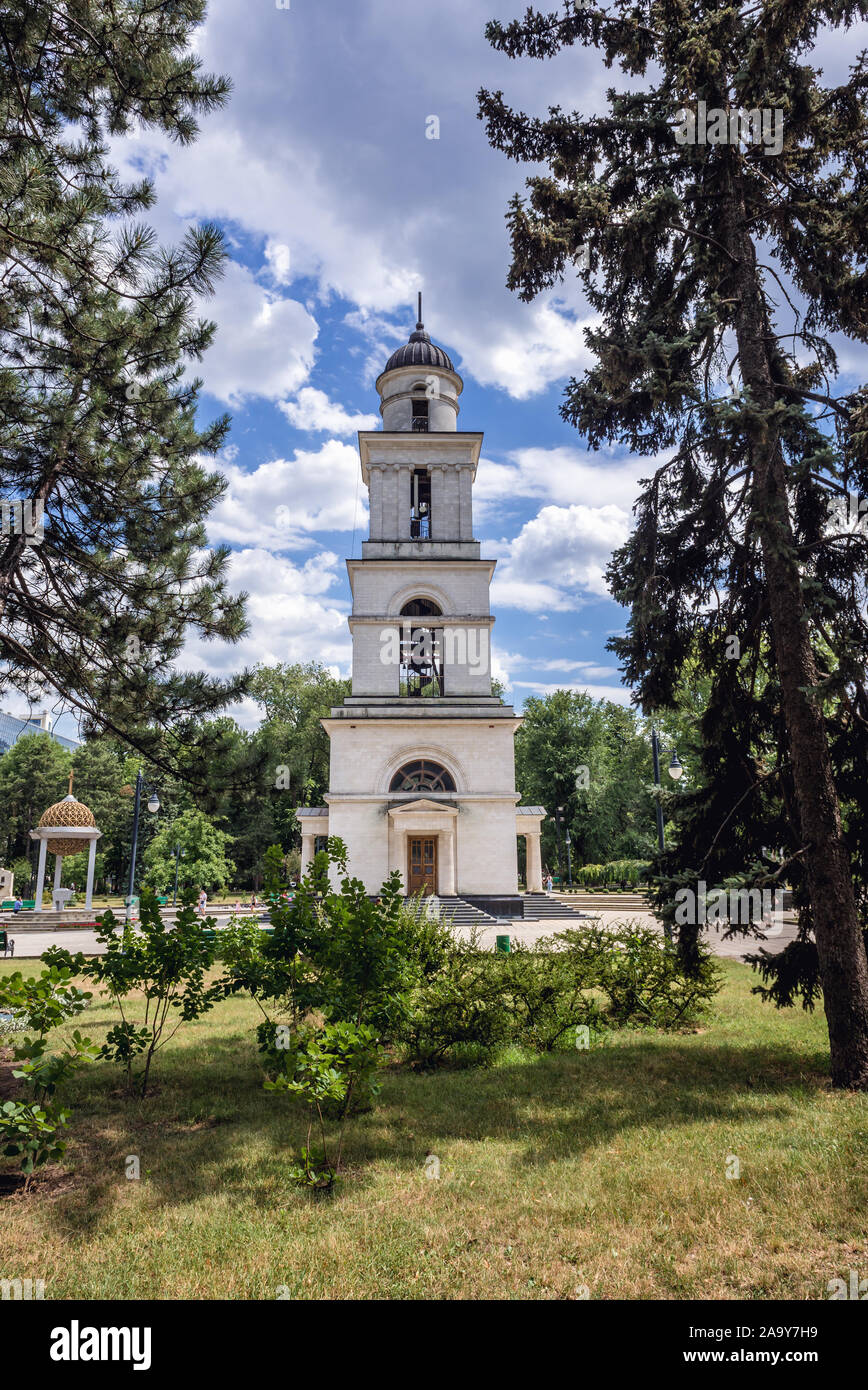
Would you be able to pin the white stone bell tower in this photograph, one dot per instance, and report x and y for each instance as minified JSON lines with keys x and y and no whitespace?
{"x":422,"y":772}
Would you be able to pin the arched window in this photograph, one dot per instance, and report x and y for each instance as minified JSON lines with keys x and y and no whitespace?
{"x":423,"y":775}
{"x":421,"y":608}
{"x":420,"y":408}
{"x":421,"y":672}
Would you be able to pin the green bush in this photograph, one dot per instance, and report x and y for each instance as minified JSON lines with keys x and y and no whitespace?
{"x":539,"y":996}
{"x":461,"y":1004}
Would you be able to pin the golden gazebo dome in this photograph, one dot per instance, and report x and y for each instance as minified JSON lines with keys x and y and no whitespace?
{"x":72,"y":813}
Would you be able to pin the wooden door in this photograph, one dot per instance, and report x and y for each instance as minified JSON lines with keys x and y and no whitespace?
{"x":422,"y":865}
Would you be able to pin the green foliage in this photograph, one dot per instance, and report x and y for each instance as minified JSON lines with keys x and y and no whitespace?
{"x":34,"y":773}
{"x":98,"y":328}
{"x":613,"y":814}
{"x":627,"y":872}
{"x":33,"y":1131}
{"x":461,"y":1004}
{"x":721,"y":282}
{"x":204,"y":861}
{"x":32,"y":1134}
{"x":296,"y":697}
{"x":332,"y":1070}
{"x":156,"y":978}
{"x":45,"y":1000}
{"x":587,"y":977}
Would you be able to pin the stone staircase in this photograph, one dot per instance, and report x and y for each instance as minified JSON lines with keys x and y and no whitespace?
{"x":604,"y":902}
{"x":540,"y":907}
{"x":457,"y":911}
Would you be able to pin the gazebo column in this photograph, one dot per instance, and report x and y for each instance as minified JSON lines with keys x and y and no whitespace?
{"x":533,"y":869}
{"x":40,"y":877}
{"x":58,"y":869}
{"x":91,"y":862}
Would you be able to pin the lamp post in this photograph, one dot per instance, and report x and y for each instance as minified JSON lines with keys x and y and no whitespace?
{"x":567,"y":843}
{"x":177,"y":861}
{"x":675,"y":770}
{"x":153,"y":807}
{"x":558,"y":810}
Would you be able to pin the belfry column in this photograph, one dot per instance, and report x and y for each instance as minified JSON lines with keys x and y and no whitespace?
{"x":439,"y":530}
{"x":402,"y":506}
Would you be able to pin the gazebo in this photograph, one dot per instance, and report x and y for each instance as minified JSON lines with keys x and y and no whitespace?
{"x":64,"y":829}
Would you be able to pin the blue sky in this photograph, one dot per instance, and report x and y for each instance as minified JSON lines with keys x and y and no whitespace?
{"x":337,"y":209}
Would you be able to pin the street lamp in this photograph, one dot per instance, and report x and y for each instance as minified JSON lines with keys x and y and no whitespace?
{"x":675,"y":770}
{"x":178,"y":857}
{"x":153,"y":807}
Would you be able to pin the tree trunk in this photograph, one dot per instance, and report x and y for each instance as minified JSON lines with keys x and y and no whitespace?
{"x":842,"y":959}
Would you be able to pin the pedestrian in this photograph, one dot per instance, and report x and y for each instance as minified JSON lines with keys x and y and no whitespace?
{"x":18,"y":904}
{"x":549,"y":882}
{"x":203,"y":900}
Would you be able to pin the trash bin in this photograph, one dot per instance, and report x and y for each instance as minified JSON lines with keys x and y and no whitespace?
{"x":501,"y":945}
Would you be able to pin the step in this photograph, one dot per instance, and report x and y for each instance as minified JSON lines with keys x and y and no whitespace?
{"x":541,"y":907}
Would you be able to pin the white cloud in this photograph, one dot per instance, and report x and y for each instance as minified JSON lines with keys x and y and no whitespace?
{"x":291,"y":613}
{"x":557,"y":560}
{"x":279,"y":504}
{"x":312,"y":410}
{"x":264,"y":346}
{"x":618,"y":694}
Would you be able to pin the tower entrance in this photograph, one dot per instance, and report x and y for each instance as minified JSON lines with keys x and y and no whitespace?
{"x":422,"y":865}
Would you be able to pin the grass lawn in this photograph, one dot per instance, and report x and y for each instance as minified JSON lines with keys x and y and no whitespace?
{"x":604,"y":1168}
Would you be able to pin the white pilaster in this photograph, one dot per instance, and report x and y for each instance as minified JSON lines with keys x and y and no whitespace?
{"x":465,"y":504}
{"x":58,"y":869}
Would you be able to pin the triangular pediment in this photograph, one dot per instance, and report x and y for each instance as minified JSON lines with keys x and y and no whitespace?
{"x":423,"y":804}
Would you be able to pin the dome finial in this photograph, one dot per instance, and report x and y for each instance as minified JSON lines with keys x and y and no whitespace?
{"x":419,"y":323}
{"x":71,"y":775}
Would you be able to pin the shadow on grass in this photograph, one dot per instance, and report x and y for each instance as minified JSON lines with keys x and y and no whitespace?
{"x":211,"y":1131}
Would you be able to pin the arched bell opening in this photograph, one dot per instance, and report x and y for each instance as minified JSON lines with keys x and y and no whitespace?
{"x":421,"y":670}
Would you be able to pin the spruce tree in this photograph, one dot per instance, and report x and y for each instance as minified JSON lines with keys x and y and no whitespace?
{"x":718,"y":272}
{"x":98,"y":328}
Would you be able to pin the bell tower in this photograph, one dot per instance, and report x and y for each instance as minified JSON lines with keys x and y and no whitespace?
{"x":422,"y":773}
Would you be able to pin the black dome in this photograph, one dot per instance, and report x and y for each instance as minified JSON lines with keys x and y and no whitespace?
{"x":419,"y":352}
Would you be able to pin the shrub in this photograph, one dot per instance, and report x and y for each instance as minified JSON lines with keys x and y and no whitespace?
{"x":547,"y":993}
{"x":165,"y":964}
{"x":538,"y":996}
{"x":330,"y":1069}
{"x":640,"y":975}
{"x":462,"y":1002}
{"x":32,"y":1131}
